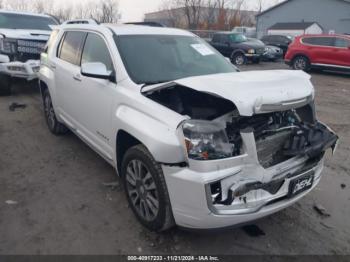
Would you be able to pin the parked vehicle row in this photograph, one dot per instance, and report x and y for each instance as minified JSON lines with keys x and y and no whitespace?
{"x":195,"y":142}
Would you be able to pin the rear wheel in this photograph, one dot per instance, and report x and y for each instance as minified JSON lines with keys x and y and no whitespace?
{"x":5,"y":85}
{"x":301,"y":63}
{"x":146,"y":190}
{"x":53,"y":124}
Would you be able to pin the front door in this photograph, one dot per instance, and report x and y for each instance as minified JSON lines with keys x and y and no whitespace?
{"x":94,"y":106}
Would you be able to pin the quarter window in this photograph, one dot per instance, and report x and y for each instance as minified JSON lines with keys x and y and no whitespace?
{"x":95,"y":50}
{"x":70,"y":49}
{"x":341,"y":42}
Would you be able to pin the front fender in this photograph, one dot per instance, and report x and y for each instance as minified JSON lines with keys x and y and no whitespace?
{"x":159,"y":138}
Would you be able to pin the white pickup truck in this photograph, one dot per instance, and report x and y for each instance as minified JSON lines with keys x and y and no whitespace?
{"x":23,"y":36}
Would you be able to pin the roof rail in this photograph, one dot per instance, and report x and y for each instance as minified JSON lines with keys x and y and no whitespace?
{"x":81,"y":21}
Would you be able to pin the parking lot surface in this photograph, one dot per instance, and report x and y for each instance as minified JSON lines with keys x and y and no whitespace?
{"x":53,"y":201}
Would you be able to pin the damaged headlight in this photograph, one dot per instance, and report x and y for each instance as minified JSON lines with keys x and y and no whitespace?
{"x":206,"y":140}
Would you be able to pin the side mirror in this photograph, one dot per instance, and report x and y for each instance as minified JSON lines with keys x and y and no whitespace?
{"x":97,"y":70}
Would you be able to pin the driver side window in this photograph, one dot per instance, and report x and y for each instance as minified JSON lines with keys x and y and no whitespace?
{"x":96,"y":50}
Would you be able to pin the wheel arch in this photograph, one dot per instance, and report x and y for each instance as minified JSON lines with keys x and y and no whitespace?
{"x":124,"y":141}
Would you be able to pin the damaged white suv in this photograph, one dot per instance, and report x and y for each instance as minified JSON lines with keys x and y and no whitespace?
{"x":196,"y":142}
{"x":23,"y":37}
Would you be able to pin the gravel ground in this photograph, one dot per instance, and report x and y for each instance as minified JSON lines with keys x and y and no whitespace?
{"x":61,"y":206}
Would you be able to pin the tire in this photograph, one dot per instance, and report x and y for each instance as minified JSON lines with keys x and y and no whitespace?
{"x":238,"y":59}
{"x":301,"y":63}
{"x":53,"y":124}
{"x":146,"y":189}
{"x":5,"y":85}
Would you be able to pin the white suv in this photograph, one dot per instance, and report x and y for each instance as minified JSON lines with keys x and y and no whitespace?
{"x":195,"y":142}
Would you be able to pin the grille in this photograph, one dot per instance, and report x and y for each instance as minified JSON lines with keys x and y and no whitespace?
{"x":260,"y":51}
{"x":30,"y":46}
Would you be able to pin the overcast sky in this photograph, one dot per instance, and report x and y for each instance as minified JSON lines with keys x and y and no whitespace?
{"x":134,"y":10}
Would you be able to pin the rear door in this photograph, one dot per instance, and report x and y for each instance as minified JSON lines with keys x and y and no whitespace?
{"x":342,"y":51}
{"x":67,"y":75}
{"x":319,"y":49}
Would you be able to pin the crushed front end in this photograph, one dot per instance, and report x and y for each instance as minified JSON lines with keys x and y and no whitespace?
{"x":242,"y":168}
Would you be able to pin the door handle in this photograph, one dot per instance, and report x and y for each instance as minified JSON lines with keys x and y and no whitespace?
{"x":77,"y":78}
{"x":53,"y":66}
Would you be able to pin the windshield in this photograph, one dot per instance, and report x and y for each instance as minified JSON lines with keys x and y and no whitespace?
{"x":15,"y":21}
{"x":151,"y":59}
{"x":238,"y":38}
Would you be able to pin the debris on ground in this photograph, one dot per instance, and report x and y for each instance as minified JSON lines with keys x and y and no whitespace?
{"x":253,"y":231}
{"x":321,"y":210}
{"x":14,"y":106}
{"x":11,"y":202}
{"x":139,"y":249}
{"x":343,"y":186}
{"x":109,"y":197}
{"x":326,"y":225}
{"x":112,"y":185}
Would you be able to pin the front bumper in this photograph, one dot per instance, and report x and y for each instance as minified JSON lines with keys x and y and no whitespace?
{"x":191,"y":200}
{"x":26,"y":70}
{"x":253,"y":56}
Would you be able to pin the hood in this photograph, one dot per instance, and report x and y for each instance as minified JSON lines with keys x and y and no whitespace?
{"x":253,"y":44}
{"x":26,"y":34}
{"x":253,"y":92}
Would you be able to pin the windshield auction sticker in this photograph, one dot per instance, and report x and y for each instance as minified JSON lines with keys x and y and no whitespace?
{"x":202,"y":49}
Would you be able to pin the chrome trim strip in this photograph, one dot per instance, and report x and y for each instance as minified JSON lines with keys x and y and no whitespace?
{"x":330,"y":65}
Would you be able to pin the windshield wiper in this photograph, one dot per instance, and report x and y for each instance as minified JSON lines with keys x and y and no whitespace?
{"x":151,"y":83}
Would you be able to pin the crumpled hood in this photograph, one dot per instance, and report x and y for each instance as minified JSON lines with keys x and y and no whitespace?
{"x":253,"y":92}
{"x":26,"y":34}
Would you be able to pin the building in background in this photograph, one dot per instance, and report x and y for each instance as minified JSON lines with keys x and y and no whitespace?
{"x":295,"y":29}
{"x":333,"y":16}
{"x":205,"y":18}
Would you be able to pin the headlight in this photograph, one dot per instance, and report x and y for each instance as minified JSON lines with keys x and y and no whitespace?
{"x":7,"y":46}
{"x":206,"y":140}
{"x":267,"y":49}
{"x":251,"y":51}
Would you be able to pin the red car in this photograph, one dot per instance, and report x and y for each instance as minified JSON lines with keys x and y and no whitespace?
{"x":330,"y":52}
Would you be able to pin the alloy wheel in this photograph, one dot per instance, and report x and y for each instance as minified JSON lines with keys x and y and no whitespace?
{"x":239,"y":60}
{"x":300,"y":63}
{"x":49,"y":112}
{"x":142,"y":190}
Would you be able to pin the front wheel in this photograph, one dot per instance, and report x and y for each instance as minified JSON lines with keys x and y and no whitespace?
{"x":301,"y":63}
{"x":146,"y":190}
{"x":238,"y":59}
{"x":53,"y":124}
{"x":5,"y":85}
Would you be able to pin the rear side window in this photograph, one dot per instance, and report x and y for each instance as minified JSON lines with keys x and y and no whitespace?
{"x":96,"y":50}
{"x":319,"y":41}
{"x":70,"y":48}
{"x":341,"y":42}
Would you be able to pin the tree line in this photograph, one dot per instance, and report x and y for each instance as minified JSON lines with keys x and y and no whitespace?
{"x":213,"y":14}
{"x":103,"y":11}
